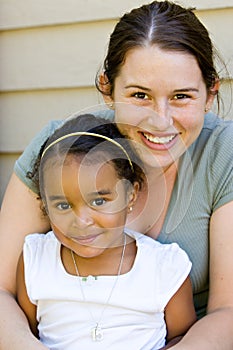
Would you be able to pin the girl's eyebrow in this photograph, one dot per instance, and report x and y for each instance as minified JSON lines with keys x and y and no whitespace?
{"x":100,"y":193}
{"x":56,"y":197}
{"x":97,"y":193}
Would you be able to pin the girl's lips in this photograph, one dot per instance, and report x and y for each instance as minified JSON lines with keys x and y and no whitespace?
{"x":156,"y":142}
{"x":85,"y":239}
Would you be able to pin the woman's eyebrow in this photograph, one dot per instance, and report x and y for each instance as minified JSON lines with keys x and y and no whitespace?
{"x":137,"y":87}
{"x":188,"y":89}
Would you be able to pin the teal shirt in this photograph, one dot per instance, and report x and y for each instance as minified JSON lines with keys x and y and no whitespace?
{"x":204,"y":183}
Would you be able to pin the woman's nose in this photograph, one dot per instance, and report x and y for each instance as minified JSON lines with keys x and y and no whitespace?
{"x":160,"y":117}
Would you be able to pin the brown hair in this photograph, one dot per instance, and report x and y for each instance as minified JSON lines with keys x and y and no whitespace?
{"x":165,"y":24}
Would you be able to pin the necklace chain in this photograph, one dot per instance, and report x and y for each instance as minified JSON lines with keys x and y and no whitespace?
{"x":97,"y":332}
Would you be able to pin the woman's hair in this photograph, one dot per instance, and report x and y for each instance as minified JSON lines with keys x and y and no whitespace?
{"x":61,"y":144}
{"x":166,"y":25}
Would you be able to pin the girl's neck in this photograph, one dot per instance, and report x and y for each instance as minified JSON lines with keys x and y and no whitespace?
{"x":105,"y":264}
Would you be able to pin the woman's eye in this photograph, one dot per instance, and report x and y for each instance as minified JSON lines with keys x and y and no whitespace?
{"x":63,"y":206}
{"x":141,"y":95}
{"x":98,"y":201}
{"x":180,"y":96}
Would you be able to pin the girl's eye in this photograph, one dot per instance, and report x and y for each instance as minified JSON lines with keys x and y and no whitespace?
{"x":98,"y":202}
{"x":141,"y":95}
{"x":63,"y":206}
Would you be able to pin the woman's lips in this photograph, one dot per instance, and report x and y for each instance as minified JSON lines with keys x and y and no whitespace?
{"x":156,"y":142}
{"x":158,"y":139}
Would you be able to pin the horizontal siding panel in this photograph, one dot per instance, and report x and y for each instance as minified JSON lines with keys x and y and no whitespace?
{"x":27,"y":13}
{"x":56,"y":57}
{"x":220,"y":26}
{"x":69,"y":56}
{"x":226,"y":99}
{"x":24,"y":114}
{"x":51,"y":51}
{"x":206,"y":4}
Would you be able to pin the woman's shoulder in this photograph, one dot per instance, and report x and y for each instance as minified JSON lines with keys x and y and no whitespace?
{"x":220,"y":139}
{"x":24,"y":163}
{"x":214,"y":139}
{"x":217,"y":127}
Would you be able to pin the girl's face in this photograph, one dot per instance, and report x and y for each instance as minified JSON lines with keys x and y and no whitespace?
{"x":160,"y":99}
{"x":87,"y":205}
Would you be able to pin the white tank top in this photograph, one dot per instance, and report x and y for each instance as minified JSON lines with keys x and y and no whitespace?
{"x":134,"y":317}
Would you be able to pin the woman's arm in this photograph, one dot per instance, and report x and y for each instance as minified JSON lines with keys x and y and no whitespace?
{"x":215,"y":330}
{"x":14,"y":330}
{"x":20,"y":214}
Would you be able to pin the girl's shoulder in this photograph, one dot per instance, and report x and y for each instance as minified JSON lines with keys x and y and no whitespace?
{"x":43,"y":237}
{"x":161,"y":253}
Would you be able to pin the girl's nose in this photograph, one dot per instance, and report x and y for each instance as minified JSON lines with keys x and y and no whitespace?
{"x":83,"y":218}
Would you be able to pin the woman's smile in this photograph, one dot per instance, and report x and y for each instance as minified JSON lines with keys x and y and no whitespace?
{"x":157,"y":142}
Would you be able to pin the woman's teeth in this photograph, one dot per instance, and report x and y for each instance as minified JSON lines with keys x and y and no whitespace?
{"x":161,"y":140}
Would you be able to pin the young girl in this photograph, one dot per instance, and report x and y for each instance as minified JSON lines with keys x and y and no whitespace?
{"x":90,"y":282}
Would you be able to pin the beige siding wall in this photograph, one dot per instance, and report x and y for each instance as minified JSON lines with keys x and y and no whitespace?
{"x":51,"y":51}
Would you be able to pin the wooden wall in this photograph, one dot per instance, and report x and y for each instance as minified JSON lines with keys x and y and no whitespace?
{"x":50,"y":52}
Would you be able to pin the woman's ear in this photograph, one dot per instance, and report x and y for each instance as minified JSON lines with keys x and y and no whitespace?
{"x":44,"y":207}
{"x":213,"y":91}
{"x":105,"y":88}
{"x":132,"y":196}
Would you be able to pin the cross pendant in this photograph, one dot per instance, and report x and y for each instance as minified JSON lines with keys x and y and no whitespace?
{"x":97,"y":333}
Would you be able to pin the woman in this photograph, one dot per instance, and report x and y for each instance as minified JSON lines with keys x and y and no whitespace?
{"x":160,"y":79}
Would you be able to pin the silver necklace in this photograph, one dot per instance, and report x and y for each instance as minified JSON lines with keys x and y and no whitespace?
{"x":97,"y":332}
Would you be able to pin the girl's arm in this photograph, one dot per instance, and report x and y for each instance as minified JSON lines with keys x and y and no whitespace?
{"x":179,"y":313}
{"x":215,"y":330}
{"x":23,"y":300}
{"x":20,"y":214}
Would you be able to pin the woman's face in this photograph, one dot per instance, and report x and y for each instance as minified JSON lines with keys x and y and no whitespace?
{"x":160,"y":99}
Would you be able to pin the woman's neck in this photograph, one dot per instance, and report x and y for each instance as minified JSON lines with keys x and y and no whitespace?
{"x":151,"y":207}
